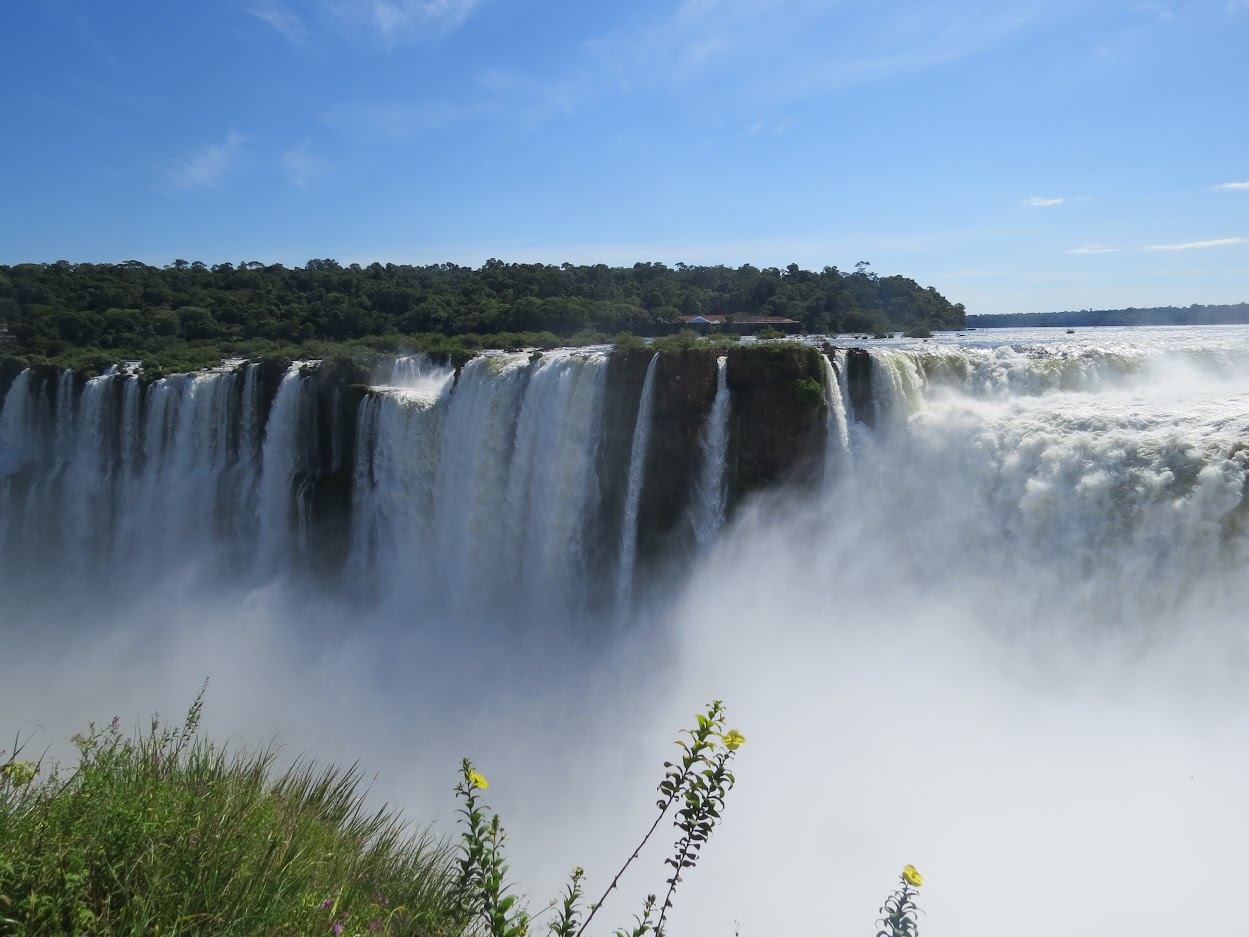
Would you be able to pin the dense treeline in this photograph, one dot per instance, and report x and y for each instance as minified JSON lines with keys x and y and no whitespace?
{"x":132,"y":309}
{"x":1237,"y":314}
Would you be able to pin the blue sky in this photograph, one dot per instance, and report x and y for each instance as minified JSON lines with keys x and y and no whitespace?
{"x":1019,"y":155}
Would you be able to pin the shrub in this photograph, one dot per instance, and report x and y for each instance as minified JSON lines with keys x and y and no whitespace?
{"x":168,"y":833}
{"x":809,"y":391}
{"x":627,"y":340}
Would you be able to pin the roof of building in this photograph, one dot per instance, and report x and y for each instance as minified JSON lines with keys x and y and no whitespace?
{"x":764,"y":320}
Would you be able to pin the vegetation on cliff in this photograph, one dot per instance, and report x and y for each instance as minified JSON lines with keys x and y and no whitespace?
{"x":189,"y":314}
{"x":167,"y":833}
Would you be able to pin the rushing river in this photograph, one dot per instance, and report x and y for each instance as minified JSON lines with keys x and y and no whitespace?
{"x":1005,"y":639}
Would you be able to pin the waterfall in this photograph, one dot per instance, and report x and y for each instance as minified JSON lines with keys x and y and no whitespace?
{"x":17,"y":429}
{"x":633,"y":493}
{"x":711,"y":495}
{"x":16,"y":437}
{"x":481,"y":497}
{"x":551,"y":478}
{"x":413,"y":372}
{"x":280,"y":461}
{"x":896,"y":387}
{"x":88,"y":480}
{"x":491,"y":492}
{"x":842,"y":363}
{"x":243,"y":472}
{"x":65,"y":428}
{"x":837,"y":440}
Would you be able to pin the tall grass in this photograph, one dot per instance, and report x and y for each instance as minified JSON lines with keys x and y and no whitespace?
{"x":168,"y":833}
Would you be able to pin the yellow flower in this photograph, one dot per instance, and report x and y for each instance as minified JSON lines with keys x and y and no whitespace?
{"x":19,"y":773}
{"x":911,"y":877}
{"x":478,"y":780}
{"x":733,"y":740}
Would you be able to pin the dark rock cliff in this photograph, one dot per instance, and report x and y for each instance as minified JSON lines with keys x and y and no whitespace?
{"x":685,"y":389}
{"x":777,"y":418}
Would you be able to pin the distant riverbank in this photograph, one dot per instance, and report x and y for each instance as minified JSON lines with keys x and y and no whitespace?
{"x":1237,"y":314}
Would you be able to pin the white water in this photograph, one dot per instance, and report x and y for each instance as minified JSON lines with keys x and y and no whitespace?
{"x":281,"y":458}
{"x":837,"y":402}
{"x":633,"y":495}
{"x":711,"y":495}
{"x":1011,"y":649}
{"x":480,"y":498}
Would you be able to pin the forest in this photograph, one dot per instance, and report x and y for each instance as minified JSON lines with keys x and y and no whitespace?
{"x":188,"y":313}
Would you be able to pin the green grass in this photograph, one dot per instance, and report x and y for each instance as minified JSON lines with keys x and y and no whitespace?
{"x":170,"y":834}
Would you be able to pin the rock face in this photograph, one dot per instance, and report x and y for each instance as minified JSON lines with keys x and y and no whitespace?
{"x":10,"y":368}
{"x":777,"y":420}
{"x":859,"y":384}
{"x":685,"y":389}
{"x":336,"y":393}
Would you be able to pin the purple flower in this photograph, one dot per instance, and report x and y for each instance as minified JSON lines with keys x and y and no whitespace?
{"x":326,"y":903}
{"x":337,"y":928}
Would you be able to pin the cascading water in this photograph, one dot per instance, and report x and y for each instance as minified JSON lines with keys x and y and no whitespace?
{"x":481,"y":497}
{"x":281,"y":460}
{"x":633,"y":494}
{"x":836,"y":400}
{"x":711,"y":495}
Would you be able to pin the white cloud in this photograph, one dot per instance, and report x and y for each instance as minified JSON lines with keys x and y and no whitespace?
{"x":1229,"y":186}
{"x":1093,"y":249}
{"x":206,"y":167}
{"x":397,"y":20}
{"x":302,"y":167}
{"x":1035,"y":202}
{"x":283,"y":20}
{"x":1217,"y":242}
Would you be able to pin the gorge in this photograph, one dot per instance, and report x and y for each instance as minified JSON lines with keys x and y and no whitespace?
{"x":978,"y":599}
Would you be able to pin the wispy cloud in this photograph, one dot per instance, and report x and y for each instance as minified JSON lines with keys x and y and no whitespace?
{"x":1229,"y":186}
{"x":1060,"y":277}
{"x":303,"y":168}
{"x":395,"y":21}
{"x":206,"y":167}
{"x":535,"y":99}
{"x":282,"y":19}
{"x":1093,"y":249}
{"x":787,"y":48}
{"x":777,"y":127}
{"x":1160,"y":11}
{"x":1035,"y":202}
{"x":391,"y":120}
{"x":1192,"y":245}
